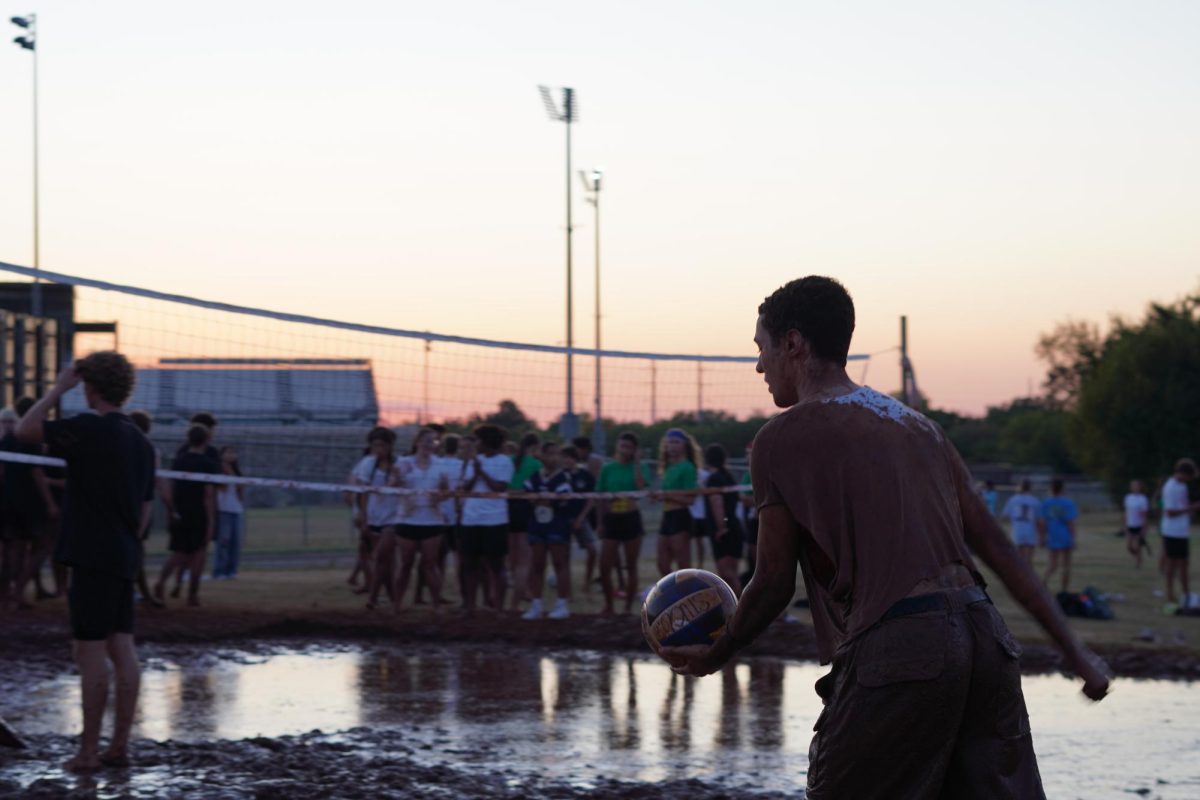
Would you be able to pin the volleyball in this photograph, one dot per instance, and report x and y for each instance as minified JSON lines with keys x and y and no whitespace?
{"x":689,"y":606}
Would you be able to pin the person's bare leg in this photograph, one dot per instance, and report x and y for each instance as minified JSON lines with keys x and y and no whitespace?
{"x":727,"y":570}
{"x":519,"y":556}
{"x":431,"y":568}
{"x":380,"y":573}
{"x":1182,"y":565}
{"x":196,"y":566}
{"x":699,"y":540}
{"x":494,"y":569}
{"x":632,"y":550}
{"x":92,"y":660}
{"x":663,"y":554}
{"x":21,"y":576}
{"x":406,"y":554}
{"x":560,"y":556}
{"x":1066,"y":576}
{"x":123,"y":655}
{"x":470,"y":569}
{"x":589,"y":570}
{"x":608,"y":558}
{"x":169,"y":566}
{"x":680,"y":551}
{"x":1171,"y":598}
{"x":1052,"y":568}
{"x":537,"y":570}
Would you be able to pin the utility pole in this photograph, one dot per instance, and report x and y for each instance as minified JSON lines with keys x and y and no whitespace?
{"x":591,"y":184}
{"x":569,"y":426}
{"x":28,"y":41}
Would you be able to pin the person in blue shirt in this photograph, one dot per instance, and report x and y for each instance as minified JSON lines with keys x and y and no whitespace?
{"x":1057,"y":529}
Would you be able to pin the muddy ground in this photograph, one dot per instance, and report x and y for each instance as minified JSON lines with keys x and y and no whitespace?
{"x":363,"y":762}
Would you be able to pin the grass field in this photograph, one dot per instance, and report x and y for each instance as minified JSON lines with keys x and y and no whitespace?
{"x":315,"y":544}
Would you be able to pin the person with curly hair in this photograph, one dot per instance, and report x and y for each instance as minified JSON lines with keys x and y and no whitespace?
{"x":106,"y":505}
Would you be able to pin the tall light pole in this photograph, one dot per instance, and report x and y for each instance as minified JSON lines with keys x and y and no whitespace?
{"x":28,"y":41}
{"x":591,"y":185}
{"x":569,"y":426}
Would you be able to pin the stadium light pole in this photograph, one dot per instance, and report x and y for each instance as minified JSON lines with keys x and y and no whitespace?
{"x":591,"y":185}
{"x":567,"y":114}
{"x":28,"y":41}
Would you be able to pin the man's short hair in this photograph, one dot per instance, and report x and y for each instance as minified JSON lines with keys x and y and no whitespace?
{"x":450,"y":444}
{"x":23,"y":405}
{"x":582,"y":443}
{"x":197,"y":435}
{"x":1056,"y":485}
{"x":1187,"y":468}
{"x":1026,"y":484}
{"x":205,"y":418}
{"x":549,"y":445}
{"x":142,"y":420}
{"x":571,"y":452}
{"x":109,"y":374}
{"x":819,"y":308}
{"x":628,"y":436}
{"x":491,"y":436}
{"x":381,"y":434}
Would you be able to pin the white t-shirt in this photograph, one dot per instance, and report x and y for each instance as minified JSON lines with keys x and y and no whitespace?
{"x":424,"y":509}
{"x":697,"y":506}
{"x":1023,"y":511}
{"x":454,"y":471}
{"x":1137,"y":508}
{"x":1175,"y":498}
{"x":483,"y":510}
{"x":382,"y":509}
{"x":228,"y":500}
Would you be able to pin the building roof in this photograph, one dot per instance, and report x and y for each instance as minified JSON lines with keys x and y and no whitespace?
{"x":254,"y":391}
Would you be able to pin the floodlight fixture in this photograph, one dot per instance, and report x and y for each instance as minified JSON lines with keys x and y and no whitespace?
{"x":29,"y":42}
{"x":20,"y":22}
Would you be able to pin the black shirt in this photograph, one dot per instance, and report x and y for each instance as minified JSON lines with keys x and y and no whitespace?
{"x":188,"y":496}
{"x":21,"y":495}
{"x":110,"y":474}
{"x":719,"y":480}
{"x":210,"y":452}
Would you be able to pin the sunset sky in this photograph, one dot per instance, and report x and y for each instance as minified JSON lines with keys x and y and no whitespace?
{"x":986,"y":170}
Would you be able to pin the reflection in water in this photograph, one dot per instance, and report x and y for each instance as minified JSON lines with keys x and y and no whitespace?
{"x":576,"y":716}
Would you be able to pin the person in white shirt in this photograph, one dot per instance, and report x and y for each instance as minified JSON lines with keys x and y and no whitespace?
{"x":421,"y":530}
{"x":1023,"y":509}
{"x":1137,"y":509}
{"x":231,"y":511}
{"x":1177,"y":512}
{"x":483,"y":540}
{"x":379,"y":514}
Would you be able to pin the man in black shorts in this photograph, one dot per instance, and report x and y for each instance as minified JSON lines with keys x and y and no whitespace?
{"x":110,"y":487}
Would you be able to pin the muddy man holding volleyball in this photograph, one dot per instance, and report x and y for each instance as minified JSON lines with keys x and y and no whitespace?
{"x":923,"y":699}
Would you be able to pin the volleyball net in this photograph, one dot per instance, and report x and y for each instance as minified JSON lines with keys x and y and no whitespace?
{"x":296,"y":394}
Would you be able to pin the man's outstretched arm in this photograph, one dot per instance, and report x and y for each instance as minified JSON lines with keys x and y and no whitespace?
{"x":990,"y":543}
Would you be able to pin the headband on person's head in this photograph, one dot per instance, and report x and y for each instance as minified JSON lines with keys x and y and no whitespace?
{"x":675,"y":433}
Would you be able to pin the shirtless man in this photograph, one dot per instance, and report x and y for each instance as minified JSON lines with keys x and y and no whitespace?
{"x":924,"y":697}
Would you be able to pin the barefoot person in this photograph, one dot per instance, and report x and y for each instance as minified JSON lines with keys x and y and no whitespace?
{"x":1137,"y":510}
{"x":421,"y":531}
{"x":874,"y":503}
{"x":379,"y":514}
{"x":1023,"y":510}
{"x":1057,"y":524}
{"x":484,"y":532}
{"x":677,"y":456}
{"x":1176,"y":516}
{"x":723,"y":524}
{"x":192,"y":511}
{"x":620,"y":526}
{"x":110,"y":487}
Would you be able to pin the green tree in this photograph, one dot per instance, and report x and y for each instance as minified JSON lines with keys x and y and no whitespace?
{"x":1137,"y":402}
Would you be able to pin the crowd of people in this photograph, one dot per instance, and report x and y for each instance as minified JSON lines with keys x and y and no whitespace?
{"x":1050,"y":523}
{"x":505,"y":547}
{"x":199,"y":515}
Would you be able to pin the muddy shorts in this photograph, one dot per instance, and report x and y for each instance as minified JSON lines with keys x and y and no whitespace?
{"x":99,"y":604}
{"x":926,"y":704}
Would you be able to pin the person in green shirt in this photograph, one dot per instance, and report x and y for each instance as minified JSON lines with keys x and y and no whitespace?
{"x":525,"y":464}
{"x":620,"y":528}
{"x":677,"y":464}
